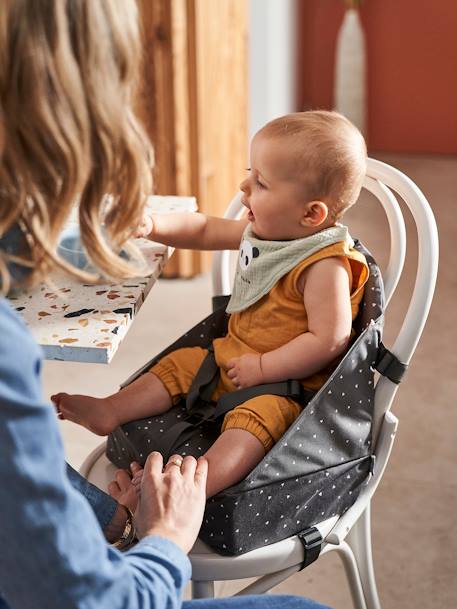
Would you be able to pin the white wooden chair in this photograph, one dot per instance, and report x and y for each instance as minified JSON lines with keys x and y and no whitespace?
{"x":350,"y":534}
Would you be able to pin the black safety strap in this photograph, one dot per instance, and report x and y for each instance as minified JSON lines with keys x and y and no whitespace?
{"x":291,"y":388}
{"x":205,"y":381}
{"x":389,"y":365}
{"x":220,"y":301}
{"x":312,"y":543}
{"x":180,"y":432}
{"x":198,"y":405}
{"x":201,"y":409}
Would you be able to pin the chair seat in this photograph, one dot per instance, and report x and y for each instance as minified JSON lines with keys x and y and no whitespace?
{"x":206,"y":563}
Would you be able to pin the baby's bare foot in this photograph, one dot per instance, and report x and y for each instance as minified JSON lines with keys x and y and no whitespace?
{"x":137,"y":476}
{"x":97,"y":414}
{"x":122,"y":488}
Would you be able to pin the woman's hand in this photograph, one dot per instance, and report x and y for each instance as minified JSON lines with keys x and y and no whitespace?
{"x":172,"y":499}
{"x":245,"y":371}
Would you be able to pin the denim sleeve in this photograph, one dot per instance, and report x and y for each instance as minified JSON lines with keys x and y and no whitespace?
{"x":103,"y":505}
{"x":53,"y":551}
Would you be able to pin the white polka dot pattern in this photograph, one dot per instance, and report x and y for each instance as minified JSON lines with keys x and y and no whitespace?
{"x":317,"y":468}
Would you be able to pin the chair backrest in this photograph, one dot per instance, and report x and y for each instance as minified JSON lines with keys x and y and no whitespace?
{"x":382,"y":181}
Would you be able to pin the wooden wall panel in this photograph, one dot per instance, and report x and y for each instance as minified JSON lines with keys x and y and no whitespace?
{"x":221,"y":32}
{"x":193,"y":100}
{"x":156,"y":90}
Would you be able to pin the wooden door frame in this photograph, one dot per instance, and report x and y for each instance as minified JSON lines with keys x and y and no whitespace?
{"x":183,"y":50}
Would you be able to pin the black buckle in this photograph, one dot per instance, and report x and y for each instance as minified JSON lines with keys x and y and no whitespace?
{"x":372,"y":464}
{"x":389,"y":365}
{"x":195,"y":418}
{"x":296,"y":391}
{"x":293,"y":386}
{"x":312,"y":542}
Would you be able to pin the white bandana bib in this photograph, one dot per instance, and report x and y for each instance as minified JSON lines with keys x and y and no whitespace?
{"x":261,"y":264}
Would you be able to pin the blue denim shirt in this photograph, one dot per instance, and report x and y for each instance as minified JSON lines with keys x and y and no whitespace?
{"x":53,"y":553}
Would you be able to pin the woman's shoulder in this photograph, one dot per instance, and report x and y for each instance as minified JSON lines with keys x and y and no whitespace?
{"x":20,"y":356}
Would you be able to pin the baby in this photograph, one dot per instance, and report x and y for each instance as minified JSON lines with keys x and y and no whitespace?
{"x":297,"y":289}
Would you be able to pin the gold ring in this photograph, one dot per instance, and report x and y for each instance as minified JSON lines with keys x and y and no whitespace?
{"x":177,"y":462}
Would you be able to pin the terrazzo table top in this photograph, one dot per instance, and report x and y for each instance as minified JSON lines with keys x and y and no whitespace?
{"x":87,"y":323}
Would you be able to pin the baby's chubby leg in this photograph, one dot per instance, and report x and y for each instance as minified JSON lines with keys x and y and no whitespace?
{"x":230,"y":459}
{"x":249,"y":432}
{"x":145,"y":397}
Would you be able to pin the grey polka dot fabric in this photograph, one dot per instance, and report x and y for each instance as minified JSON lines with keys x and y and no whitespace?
{"x":315,"y":471}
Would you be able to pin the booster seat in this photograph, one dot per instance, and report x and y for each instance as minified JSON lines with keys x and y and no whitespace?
{"x":315,"y":471}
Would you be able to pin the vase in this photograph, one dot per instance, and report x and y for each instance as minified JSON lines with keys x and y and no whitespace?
{"x":350,"y":70}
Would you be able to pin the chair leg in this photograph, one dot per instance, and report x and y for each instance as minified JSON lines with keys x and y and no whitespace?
{"x":352,"y":573}
{"x":202,"y":589}
{"x":359,"y":539}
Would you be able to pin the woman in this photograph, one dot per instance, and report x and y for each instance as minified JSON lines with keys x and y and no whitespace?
{"x":66,"y":135}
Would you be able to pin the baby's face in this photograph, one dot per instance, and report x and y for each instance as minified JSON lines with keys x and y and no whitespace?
{"x":273,"y":192}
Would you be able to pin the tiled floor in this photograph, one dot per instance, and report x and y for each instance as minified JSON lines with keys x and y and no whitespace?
{"x":415,"y":545}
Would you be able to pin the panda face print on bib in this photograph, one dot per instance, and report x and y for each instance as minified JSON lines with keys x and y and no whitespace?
{"x":247,"y":254}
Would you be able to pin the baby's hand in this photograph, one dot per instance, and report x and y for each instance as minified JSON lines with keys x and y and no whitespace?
{"x":137,"y":478}
{"x":245,"y":371}
{"x":145,"y":227}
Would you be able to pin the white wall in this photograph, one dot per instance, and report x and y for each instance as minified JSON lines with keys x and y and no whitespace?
{"x":272,"y":49}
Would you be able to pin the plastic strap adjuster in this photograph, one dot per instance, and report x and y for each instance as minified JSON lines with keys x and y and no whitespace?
{"x":312,"y":542}
{"x":389,"y":365}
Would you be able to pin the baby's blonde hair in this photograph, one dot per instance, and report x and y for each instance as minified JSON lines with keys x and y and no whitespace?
{"x":67,"y":134}
{"x":330,"y":156}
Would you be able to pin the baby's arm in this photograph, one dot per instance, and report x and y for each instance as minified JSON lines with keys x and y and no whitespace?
{"x":193,"y":231}
{"x":326,"y":297}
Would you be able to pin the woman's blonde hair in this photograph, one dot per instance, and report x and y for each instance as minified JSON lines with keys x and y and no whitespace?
{"x":67,"y":133}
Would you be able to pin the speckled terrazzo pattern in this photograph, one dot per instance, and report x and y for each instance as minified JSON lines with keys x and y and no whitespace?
{"x":86,"y":323}
{"x":317,"y":468}
{"x":80,"y":323}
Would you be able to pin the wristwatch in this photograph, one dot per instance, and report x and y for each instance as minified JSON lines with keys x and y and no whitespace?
{"x":128,"y":536}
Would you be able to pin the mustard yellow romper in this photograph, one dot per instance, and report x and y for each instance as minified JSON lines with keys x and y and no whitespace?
{"x":274,"y":320}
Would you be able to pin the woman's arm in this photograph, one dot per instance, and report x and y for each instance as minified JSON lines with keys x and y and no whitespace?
{"x":57,"y":556}
{"x":193,"y":231}
{"x":103,"y":505}
{"x":111,"y":514}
